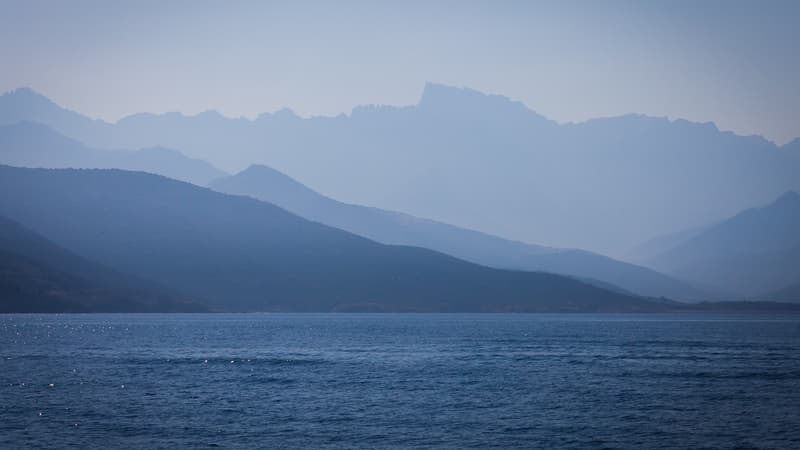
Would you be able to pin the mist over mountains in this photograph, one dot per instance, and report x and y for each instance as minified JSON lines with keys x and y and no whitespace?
{"x":479,"y":161}
{"x":28,"y":144}
{"x":755,"y":253}
{"x":36,"y":275}
{"x":239,"y":254}
{"x":390,"y":227}
{"x":461,"y":185}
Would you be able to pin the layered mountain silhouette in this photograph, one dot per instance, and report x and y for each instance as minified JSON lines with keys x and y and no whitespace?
{"x":482,"y":162}
{"x":241,"y":254}
{"x":645,"y":251}
{"x":265,"y":183}
{"x":37,"y":275}
{"x":752,"y":253}
{"x":28,"y":144}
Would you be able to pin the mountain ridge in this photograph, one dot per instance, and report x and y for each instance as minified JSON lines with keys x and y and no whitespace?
{"x":29,"y":92}
{"x":37,"y":275}
{"x":490,"y":164}
{"x":389,"y":227}
{"x":31,"y":144}
{"x":241,"y":254}
{"x":754,"y":251}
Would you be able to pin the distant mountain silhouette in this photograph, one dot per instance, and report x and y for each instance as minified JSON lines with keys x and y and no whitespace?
{"x":28,"y":144}
{"x":241,"y":254}
{"x":36,"y":275}
{"x":483,"y":162}
{"x":26,"y":105}
{"x":651,"y":248}
{"x":265,"y":183}
{"x":754,"y":252}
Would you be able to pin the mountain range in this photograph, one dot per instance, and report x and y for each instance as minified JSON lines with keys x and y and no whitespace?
{"x":235,"y":253}
{"x":479,"y":157}
{"x":28,"y":144}
{"x":388,"y":227}
{"x":481,"y":162}
{"x":753,"y":253}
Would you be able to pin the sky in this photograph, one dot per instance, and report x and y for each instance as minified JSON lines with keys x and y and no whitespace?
{"x":730,"y":62}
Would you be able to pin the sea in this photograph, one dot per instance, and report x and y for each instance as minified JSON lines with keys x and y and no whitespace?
{"x":378,"y":381}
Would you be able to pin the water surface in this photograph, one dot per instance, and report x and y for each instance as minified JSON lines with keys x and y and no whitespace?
{"x":404,"y":380}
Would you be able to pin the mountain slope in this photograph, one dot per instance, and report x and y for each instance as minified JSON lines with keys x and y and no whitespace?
{"x":753,"y":252}
{"x":651,"y":248}
{"x":28,"y":144}
{"x":265,"y":183}
{"x":38,"y":276}
{"x":482,"y":162}
{"x":238,"y":253}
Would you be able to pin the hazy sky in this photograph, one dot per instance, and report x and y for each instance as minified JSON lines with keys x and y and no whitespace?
{"x":734,"y":63}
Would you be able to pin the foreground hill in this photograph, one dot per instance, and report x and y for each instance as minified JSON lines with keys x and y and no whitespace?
{"x":390,"y":227}
{"x":754,"y":252}
{"x":37,"y":275}
{"x":28,"y":144}
{"x":483,"y":162}
{"x":242,"y":254}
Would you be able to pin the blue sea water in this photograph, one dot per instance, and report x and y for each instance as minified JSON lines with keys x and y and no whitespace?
{"x":399,"y":380}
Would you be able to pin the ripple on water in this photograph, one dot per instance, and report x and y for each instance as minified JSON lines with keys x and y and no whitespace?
{"x":377,"y":381}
